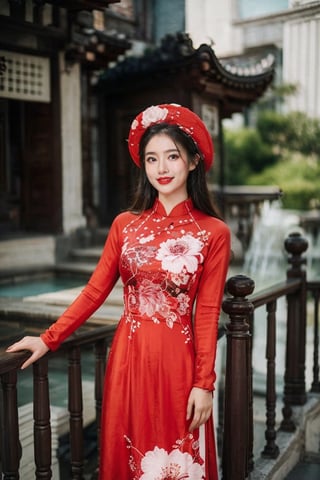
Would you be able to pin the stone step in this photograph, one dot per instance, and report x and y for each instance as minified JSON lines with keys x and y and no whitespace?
{"x":83,"y":255}
{"x":78,"y":267}
{"x":27,"y":252}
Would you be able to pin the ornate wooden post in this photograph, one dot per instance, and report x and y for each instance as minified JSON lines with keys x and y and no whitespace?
{"x":10,"y":446}
{"x":294,"y":378}
{"x":75,"y":409}
{"x":41,"y":413}
{"x":100,"y":354}
{"x":315,"y":386}
{"x":235,"y":453}
{"x":271,"y":449}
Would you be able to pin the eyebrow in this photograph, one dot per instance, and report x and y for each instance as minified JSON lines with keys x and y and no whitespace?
{"x":166,"y":151}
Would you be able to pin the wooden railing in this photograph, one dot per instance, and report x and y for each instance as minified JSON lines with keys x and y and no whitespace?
{"x":99,"y":338}
{"x":237,"y":458}
{"x":237,"y":428}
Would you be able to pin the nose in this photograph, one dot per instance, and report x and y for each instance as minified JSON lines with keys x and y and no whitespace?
{"x":162,"y":166}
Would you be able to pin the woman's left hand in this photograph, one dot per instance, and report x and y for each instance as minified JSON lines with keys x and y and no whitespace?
{"x":199,"y":407}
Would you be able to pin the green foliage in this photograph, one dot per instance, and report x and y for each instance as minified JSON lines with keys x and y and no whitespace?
{"x":284,"y":150}
{"x":245,"y":153}
{"x":295,"y":131}
{"x":297,"y":176}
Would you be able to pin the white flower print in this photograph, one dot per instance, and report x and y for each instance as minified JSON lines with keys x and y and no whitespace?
{"x":183,"y":300}
{"x":179,"y":254}
{"x":180,"y":279}
{"x":171,"y":318}
{"x":151,"y":298}
{"x":161,"y":465}
{"x":147,"y":239}
{"x":138,"y":255}
{"x":152,"y":115}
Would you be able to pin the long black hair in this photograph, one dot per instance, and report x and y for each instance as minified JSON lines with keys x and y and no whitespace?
{"x":197,"y":188}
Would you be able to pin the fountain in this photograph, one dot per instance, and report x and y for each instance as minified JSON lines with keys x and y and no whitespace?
{"x":266,"y":262}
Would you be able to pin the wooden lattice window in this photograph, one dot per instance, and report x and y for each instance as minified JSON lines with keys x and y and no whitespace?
{"x":24,"y":77}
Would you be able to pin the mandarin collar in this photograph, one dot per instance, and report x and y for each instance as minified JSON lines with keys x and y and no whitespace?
{"x":181,"y":209}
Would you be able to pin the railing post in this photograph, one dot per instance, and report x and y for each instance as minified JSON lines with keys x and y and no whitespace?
{"x":235,"y":454}
{"x":294,"y":378}
{"x":315,"y":386}
{"x":41,"y":413}
{"x":271,"y":449}
{"x":10,"y":445}
{"x":100,"y":365}
{"x":75,"y":409}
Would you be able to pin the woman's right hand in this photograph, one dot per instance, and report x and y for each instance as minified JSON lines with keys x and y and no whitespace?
{"x":34,"y":344}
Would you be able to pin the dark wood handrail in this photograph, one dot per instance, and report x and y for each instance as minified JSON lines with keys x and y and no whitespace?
{"x":12,"y":361}
{"x":275,"y":292}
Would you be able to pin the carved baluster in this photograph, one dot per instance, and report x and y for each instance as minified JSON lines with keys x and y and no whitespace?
{"x":100,"y":354}
{"x":315,"y":386}
{"x":10,"y":445}
{"x":41,"y":414}
{"x":235,"y":455}
{"x":271,"y":450}
{"x":250,"y":395}
{"x":75,"y":409}
{"x":294,"y":378}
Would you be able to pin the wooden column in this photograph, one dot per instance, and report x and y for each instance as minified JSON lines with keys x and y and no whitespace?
{"x":10,"y":445}
{"x":294,"y":378}
{"x":235,"y":455}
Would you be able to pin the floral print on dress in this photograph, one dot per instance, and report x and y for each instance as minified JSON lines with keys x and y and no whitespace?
{"x":152,"y":299}
{"x":159,"y":464}
{"x":161,"y":294}
{"x":180,"y":254}
{"x":138,"y":255}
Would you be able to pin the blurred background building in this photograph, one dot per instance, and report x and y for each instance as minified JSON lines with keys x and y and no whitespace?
{"x":242,"y":30}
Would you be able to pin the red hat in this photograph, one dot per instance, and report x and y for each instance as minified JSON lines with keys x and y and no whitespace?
{"x":173,"y":114}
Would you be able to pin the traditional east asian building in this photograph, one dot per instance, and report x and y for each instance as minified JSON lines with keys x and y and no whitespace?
{"x":72,"y":77}
{"x":48,"y":51}
{"x":241,"y":30}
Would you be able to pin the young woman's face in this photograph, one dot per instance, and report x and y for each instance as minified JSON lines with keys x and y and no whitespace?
{"x":167,"y":168}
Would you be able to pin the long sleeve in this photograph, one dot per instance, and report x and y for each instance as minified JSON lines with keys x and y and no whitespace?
{"x":93,"y":295}
{"x":208,"y":305}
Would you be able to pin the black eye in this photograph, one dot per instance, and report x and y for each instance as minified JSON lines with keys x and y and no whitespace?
{"x":150,"y":159}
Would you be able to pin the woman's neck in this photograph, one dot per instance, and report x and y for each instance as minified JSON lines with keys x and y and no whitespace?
{"x":169,"y":203}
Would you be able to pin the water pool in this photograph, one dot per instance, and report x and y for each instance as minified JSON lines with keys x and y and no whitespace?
{"x":37,"y":285}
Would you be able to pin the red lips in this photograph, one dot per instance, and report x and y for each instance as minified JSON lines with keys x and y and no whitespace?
{"x":164,"y":180}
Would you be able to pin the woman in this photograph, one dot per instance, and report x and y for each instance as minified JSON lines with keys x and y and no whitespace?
{"x":172,"y":253}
